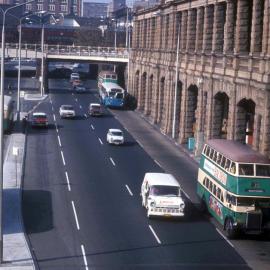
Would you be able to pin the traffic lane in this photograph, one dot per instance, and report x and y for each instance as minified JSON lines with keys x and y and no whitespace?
{"x":45,"y":203}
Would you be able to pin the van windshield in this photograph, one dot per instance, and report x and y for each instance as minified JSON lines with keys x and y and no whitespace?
{"x":164,"y":191}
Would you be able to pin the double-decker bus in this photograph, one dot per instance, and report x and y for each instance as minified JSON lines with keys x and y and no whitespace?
{"x":234,"y":185}
{"x":112,"y":95}
{"x":107,"y":76}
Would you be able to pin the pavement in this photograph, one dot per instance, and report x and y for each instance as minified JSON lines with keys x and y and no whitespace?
{"x":16,"y":252}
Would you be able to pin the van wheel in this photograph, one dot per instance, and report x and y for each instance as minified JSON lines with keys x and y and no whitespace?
{"x":230,"y":230}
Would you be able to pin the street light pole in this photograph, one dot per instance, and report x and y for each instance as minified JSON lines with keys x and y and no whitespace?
{"x":176,"y":83}
{"x":2,"y":120}
{"x":127,"y":24}
{"x":42,"y":61}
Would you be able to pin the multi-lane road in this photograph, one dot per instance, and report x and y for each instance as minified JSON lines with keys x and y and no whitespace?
{"x":82,"y":206}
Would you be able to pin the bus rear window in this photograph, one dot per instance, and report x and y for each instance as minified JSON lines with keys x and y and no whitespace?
{"x":246,"y":169}
{"x":263,"y":170}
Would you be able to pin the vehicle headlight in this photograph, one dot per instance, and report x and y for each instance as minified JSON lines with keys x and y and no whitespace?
{"x":182,"y":206}
{"x":153,"y":204}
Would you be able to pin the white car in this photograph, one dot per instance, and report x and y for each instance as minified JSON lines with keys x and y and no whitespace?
{"x":161,"y":195}
{"x":74,"y":76}
{"x":115,"y":136}
{"x":67,"y":111}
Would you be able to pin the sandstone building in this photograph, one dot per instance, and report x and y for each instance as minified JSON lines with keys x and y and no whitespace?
{"x":218,"y":53}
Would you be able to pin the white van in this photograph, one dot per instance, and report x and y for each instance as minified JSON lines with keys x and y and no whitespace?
{"x":161,"y":195}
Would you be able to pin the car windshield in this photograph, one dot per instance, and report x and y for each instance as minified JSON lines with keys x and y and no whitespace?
{"x":41,"y":117}
{"x":164,"y":191}
{"x":67,"y":107}
{"x":95,"y":107}
{"x":117,"y":133}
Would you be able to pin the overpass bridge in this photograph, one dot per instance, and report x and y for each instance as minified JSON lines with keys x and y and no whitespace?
{"x":69,"y":52}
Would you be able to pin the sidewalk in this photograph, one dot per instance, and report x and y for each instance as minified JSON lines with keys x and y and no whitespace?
{"x":16,"y":253}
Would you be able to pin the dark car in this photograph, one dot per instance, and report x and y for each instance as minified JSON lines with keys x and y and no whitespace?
{"x":95,"y":109}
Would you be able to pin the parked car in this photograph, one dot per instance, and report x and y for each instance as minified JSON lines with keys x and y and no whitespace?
{"x":67,"y":111}
{"x":161,"y":195}
{"x":74,"y":76}
{"x":80,"y":88}
{"x":39,"y":119}
{"x":95,"y":109}
{"x":115,"y":136}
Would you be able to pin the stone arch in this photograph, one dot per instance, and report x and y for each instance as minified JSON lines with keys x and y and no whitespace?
{"x":161,"y":107}
{"x":245,"y":113}
{"x":220,"y":115}
{"x":191,"y":107}
{"x":142,"y":91}
{"x":136,"y":84}
{"x":149,"y":95}
{"x":177,"y":108}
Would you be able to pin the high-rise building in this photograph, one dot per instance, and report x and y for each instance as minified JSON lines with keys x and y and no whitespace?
{"x":118,"y":4}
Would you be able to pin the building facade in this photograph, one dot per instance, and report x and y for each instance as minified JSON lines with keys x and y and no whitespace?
{"x":95,"y":10}
{"x":56,"y":7}
{"x":201,"y":69}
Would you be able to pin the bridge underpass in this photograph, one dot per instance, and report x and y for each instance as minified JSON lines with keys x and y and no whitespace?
{"x":94,"y":56}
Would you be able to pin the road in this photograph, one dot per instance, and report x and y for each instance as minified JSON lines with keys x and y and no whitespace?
{"x":81,"y":202}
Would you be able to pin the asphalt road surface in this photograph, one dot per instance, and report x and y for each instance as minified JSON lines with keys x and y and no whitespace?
{"x":82,"y":206}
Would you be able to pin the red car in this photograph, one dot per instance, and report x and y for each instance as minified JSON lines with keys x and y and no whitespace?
{"x":39,"y":119}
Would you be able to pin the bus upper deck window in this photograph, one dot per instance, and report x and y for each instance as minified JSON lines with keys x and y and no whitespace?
{"x":263,"y":170}
{"x":246,"y":169}
{"x":227,"y":164}
{"x":233,"y":168}
{"x":215,"y":156}
{"x":223,"y":161}
{"x":207,"y":151}
{"x":211,"y":153}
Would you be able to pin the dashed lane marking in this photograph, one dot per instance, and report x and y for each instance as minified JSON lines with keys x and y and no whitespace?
{"x":59,"y":141}
{"x":157,"y":163}
{"x":75,"y":215}
{"x":68,"y":183}
{"x":129,"y":191}
{"x":64,"y":162}
{"x":92,"y":127}
{"x":84,"y":257}
{"x":154,"y":233}
{"x":100,"y":141}
{"x":112,"y":161}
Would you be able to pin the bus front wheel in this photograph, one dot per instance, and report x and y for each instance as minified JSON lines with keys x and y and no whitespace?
{"x":230,"y":230}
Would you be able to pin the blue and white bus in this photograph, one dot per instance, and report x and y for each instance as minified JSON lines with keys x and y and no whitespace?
{"x":112,"y":95}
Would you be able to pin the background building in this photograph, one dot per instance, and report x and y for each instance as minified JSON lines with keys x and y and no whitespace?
{"x":56,"y":7}
{"x":95,"y":9}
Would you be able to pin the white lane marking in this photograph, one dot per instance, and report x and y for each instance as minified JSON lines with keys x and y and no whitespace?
{"x":67,"y":178}
{"x":92,"y":127}
{"x":100,"y":141}
{"x":126,"y":129}
{"x":63,"y":158}
{"x":129,"y":191}
{"x":224,"y":237}
{"x":153,"y":232}
{"x":76,"y":99}
{"x":52,"y":108}
{"x":85,"y":115}
{"x":59,"y":141}
{"x":80,"y":106}
{"x":56,"y":127}
{"x":54,"y":118}
{"x":112,"y":161}
{"x":84,"y":257}
{"x":50,"y":100}
{"x":75,"y":215}
{"x":140,"y":144}
{"x":72,"y":94}
{"x":185,"y":194}
{"x":157,"y":163}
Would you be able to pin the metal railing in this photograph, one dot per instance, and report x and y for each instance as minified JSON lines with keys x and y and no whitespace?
{"x":50,"y":50}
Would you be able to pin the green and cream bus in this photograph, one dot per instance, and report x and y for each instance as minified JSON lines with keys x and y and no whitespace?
{"x":234,"y":186}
